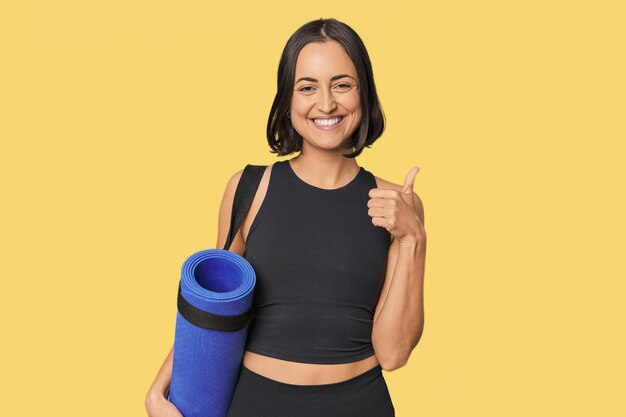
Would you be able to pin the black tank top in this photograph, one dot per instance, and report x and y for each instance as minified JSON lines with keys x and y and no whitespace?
{"x":320,"y":266}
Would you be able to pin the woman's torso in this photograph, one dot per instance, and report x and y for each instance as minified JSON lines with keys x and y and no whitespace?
{"x":289,"y":371}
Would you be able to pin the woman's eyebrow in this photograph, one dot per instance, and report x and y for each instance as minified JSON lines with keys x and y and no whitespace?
{"x":335,"y":77}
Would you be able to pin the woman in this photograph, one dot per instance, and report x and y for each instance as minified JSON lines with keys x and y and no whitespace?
{"x":326,"y":239}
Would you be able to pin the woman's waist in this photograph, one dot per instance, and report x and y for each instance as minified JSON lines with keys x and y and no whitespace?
{"x":306,"y":373}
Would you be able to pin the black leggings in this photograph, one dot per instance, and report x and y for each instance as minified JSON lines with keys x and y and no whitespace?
{"x":365,"y":395}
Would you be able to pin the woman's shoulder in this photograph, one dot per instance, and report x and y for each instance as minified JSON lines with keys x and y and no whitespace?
{"x":385,"y":184}
{"x":234,"y":179}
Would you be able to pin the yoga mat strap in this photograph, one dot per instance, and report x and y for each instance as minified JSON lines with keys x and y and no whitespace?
{"x":246,"y":190}
{"x":206,"y":320}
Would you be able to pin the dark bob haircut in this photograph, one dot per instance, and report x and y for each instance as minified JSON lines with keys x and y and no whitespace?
{"x":281,"y":135}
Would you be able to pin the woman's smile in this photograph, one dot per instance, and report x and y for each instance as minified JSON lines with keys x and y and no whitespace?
{"x":328,"y":124}
{"x":325,"y":103}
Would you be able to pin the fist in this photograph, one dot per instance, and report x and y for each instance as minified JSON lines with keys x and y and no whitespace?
{"x":397,"y":211}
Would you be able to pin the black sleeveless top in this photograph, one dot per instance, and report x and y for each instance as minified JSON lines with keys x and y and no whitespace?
{"x":320,"y":266}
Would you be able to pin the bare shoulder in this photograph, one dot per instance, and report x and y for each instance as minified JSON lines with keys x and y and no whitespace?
{"x":233,"y":182}
{"x":225,"y":210}
{"x":225,"y":214}
{"x":257,"y":201}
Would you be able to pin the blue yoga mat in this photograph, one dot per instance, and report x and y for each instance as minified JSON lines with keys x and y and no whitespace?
{"x":214,"y":310}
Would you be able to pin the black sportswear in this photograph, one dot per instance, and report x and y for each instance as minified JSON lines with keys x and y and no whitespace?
{"x":320,"y":266}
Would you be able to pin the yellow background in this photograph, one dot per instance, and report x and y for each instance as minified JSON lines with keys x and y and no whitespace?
{"x":121,"y":122}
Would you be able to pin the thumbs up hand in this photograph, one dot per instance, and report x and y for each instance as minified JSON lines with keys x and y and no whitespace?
{"x":396,"y":210}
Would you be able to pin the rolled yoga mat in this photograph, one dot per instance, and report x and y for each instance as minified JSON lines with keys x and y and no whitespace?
{"x":214,"y":311}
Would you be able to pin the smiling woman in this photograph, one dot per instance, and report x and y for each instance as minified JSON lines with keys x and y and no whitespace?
{"x":325,"y":101}
{"x":322,"y":236}
{"x":320,"y":262}
{"x":324,"y":73}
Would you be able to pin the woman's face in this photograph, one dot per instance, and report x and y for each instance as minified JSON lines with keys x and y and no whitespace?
{"x":325,"y":88}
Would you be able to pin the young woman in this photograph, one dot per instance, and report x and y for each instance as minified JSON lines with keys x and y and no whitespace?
{"x":326,"y":239}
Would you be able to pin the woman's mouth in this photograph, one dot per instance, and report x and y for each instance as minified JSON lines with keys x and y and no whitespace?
{"x":328,"y":124}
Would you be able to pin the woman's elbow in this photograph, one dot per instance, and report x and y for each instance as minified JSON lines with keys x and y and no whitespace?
{"x":393,"y":365}
{"x":392,"y":362}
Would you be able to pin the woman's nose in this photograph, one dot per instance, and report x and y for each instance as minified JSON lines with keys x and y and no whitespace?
{"x":326,"y":101}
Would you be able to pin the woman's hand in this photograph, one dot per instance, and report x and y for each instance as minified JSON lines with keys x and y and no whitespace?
{"x":159,"y":406}
{"x":397,"y":212}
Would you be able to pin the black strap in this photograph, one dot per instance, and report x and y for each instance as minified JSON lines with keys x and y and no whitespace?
{"x":246,"y":189}
{"x":206,"y":320}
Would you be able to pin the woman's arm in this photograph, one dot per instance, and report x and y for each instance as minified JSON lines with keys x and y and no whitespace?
{"x":161,"y":384}
{"x":399,"y":316}
{"x":159,"y":389}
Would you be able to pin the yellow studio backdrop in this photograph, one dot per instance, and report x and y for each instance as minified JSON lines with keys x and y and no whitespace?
{"x":121,"y":122}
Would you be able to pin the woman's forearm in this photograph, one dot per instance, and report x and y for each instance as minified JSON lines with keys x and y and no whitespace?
{"x":398,"y":327}
{"x":162,"y":381}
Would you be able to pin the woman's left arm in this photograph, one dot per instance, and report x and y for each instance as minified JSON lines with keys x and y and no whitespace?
{"x":399,"y":316}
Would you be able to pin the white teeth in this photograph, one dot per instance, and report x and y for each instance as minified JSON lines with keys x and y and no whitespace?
{"x":327,"y":122}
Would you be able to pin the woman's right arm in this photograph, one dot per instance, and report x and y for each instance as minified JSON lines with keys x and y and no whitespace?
{"x":157,"y":402}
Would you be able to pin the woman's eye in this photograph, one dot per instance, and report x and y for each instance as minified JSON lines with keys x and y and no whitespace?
{"x":342,"y":86}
